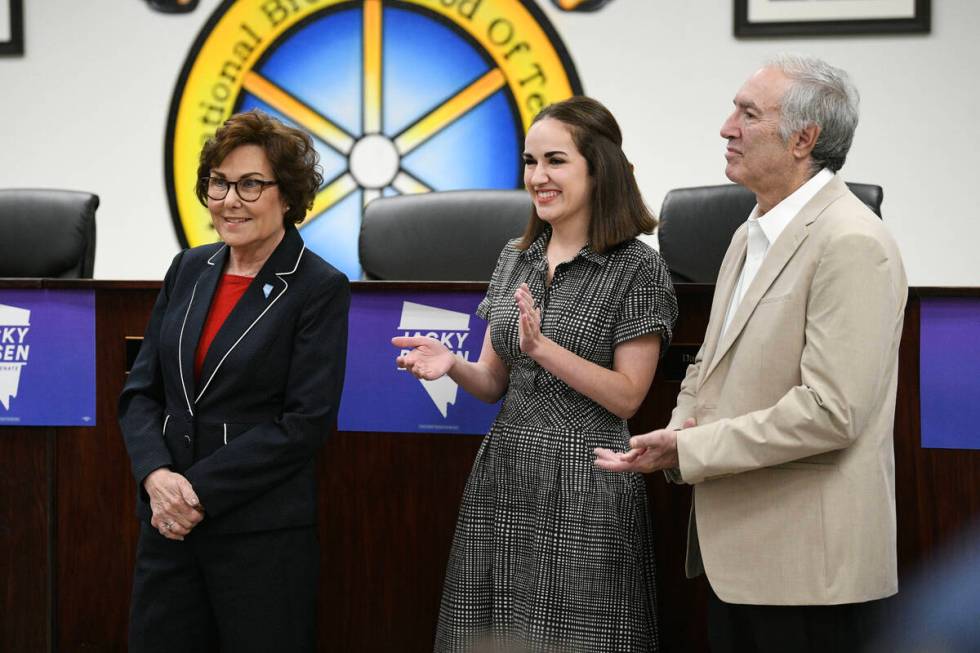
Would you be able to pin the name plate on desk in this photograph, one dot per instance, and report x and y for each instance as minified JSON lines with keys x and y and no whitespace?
{"x":380,"y":397}
{"x":674,"y":365}
{"x":47,"y":357}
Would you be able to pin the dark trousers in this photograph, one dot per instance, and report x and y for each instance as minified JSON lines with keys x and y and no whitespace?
{"x":239,"y":592}
{"x":734,"y":628}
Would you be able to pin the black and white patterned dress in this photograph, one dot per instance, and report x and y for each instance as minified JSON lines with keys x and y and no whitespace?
{"x":551,"y":552}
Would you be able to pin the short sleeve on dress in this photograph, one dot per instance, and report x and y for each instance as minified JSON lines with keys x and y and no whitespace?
{"x":649,"y":306}
{"x":483,"y":310}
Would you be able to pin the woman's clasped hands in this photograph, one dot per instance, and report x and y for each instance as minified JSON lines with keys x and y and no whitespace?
{"x":529,"y":320}
{"x":176,"y":508}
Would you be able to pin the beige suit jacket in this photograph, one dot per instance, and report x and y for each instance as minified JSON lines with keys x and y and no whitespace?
{"x":792,"y":458}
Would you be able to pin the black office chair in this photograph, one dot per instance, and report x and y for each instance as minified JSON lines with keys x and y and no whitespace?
{"x":697,"y":225}
{"x":47,"y":233}
{"x":447,"y":236}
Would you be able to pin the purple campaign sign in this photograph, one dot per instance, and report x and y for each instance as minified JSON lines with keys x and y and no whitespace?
{"x":47,"y":357}
{"x":380,"y":397}
{"x":949,"y":372}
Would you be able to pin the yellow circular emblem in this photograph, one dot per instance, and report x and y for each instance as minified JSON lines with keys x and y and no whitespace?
{"x":400,"y":96}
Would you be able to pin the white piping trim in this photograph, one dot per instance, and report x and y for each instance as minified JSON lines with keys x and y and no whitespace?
{"x":300,"y":256}
{"x":165,"y":420}
{"x":225,"y":424}
{"x":180,"y":351}
{"x":256,"y":321}
{"x":211,"y":259}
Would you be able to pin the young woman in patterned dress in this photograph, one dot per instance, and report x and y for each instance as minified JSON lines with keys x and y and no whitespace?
{"x":551,"y":553}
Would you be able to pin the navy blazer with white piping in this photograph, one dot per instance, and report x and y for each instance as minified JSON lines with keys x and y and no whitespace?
{"x":246,"y":434}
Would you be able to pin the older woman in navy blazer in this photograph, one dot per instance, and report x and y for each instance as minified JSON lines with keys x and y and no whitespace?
{"x":234,"y":389}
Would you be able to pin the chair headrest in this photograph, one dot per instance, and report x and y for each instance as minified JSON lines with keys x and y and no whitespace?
{"x":446,"y":236}
{"x":47,"y":233}
{"x":697,"y":225}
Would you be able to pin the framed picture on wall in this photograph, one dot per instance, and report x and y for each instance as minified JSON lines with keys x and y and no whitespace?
{"x":830,"y":17}
{"x":11,"y":27}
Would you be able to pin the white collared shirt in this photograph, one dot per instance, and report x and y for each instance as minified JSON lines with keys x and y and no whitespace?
{"x":764,"y":230}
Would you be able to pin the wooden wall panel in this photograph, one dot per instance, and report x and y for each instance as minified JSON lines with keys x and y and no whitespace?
{"x":388,"y":512}
{"x":937,"y":490}
{"x":96,"y":523}
{"x":682,"y":602}
{"x":25,"y":592}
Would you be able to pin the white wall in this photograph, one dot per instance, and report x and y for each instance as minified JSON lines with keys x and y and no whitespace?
{"x":86,"y":108}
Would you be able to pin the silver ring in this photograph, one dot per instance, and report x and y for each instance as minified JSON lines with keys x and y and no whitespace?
{"x":169,"y":525}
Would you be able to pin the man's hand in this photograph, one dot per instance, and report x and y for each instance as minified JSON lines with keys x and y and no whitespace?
{"x":176,"y":508}
{"x":648,"y":452}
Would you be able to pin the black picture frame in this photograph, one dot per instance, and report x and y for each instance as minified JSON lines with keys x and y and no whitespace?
{"x":920,"y":22}
{"x":14,"y":46}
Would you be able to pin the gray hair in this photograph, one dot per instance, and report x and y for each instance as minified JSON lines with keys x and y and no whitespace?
{"x":823,"y":95}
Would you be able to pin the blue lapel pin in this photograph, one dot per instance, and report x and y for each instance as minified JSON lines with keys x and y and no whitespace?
{"x":266,"y":289}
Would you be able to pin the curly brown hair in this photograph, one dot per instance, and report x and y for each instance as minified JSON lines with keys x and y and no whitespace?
{"x":295,"y":162}
{"x":618,"y":211}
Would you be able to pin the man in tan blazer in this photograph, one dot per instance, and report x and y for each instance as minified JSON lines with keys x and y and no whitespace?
{"x":784,"y":422}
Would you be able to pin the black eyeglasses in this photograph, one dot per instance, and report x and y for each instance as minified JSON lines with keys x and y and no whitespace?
{"x":248,"y":189}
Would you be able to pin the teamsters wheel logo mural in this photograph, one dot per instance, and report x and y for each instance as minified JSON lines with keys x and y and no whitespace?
{"x":401,"y":97}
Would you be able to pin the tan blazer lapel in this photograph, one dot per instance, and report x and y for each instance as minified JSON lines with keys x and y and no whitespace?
{"x":776,"y":259}
{"x":728,"y":275}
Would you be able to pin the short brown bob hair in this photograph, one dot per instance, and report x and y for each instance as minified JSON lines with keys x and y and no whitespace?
{"x":618,"y":212}
{"x":295,"y":162}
